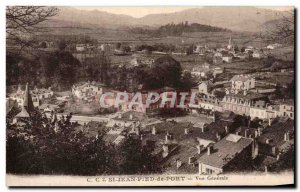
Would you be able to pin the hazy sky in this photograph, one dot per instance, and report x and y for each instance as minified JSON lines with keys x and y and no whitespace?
{"x":142,"y":11}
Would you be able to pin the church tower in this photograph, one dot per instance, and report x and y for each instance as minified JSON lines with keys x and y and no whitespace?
{"x":27,"y":102}
{"x":27,"y":106}
{"x":229,"y":46}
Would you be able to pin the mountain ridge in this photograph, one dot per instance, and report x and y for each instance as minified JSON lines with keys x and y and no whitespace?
{"x":232,"y":18}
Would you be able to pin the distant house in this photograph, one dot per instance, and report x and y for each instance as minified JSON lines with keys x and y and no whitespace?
{"x":217,"y":58}
{"x":287,"y":108}
{"x":264,"y":112}
{"x":227,"y":58}
{"x":81,"y":47}
{"x":86,"y":90}
{"x":200,"y":49}
{"x":241,"y":56}
{"x":249,"y":49}
{"x":48,"y":107}
{"x":258,"y":54}
{"x":205,"y":87}
{"x":276,"y":139}
{"x":141,"y":60}
{"x":43,"y":93}
{"x":104,"y":47}
{"x":232,"y":153}
{"x":205,"y":65}
{"x":240,"y":103}
{"x":274,"y":46}
{"x":199,"y":71}
{"x":217,"y":71}
{"x":36,"y":94}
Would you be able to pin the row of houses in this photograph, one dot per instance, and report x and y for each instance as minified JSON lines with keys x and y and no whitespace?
{"x":205,"y":69}
{"x":241,"y":100}
{"x":219,"y":147}
{"x":38,"y":95}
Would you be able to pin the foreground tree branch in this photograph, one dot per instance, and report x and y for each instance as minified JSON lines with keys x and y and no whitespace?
{"x":23,"y":21}
{"x":283,"y":29}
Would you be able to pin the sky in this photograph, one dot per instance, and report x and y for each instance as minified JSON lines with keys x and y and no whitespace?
{"x":142,"y":11}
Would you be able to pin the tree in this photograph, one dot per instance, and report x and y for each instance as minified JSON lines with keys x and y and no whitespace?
{"x":236,"y":48}
{"x":168,"y":71}
{"x":189,"y":50}
{"x":291,"y":89}
{"x":24,"y":21}
{"x":278,"y":92}
{"x":134,"y":158}
{"x":243,"y":49}
{"x":282,"y":29}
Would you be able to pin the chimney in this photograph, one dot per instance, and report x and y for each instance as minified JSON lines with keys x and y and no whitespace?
{"x":137,"y":130}
{"x":165,"y":151}
{"x":256,"y":134}
{"x":178,"y":163}
{"x":286,"y":136}
{"x":191,"y":160}
{"x":209,"y":149}
{"x":270,"y":121}
{"x":186,"y":131}
{"x":218,"y":136}
{"x":120,"y":116}
{"x":167,"y":139}
{"x":19,"y":89}
{"x":259,"y":131}
{"x":278,"y":157}
{"x":246,"y":133}
{"x":245,"y":92}
{"x":226,"y":129}
{"x":56,"y":128}
{"x":153,"y":130}
{"x":199,"y":148}
{"x":202,"y":129}
{"x":130,"y":117}
{"x":266,"y":169}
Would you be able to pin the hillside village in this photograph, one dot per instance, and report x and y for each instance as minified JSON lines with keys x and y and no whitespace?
{"x":198,"y":146}
{"x":243,"y":120}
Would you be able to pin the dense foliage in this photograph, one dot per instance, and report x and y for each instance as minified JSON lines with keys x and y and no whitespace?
{"x":42,"y":146}
{"x":177,"y":29}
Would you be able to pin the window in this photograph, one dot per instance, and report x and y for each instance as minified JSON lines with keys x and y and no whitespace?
{"x":209,"y":171}
{"x":291,"y":114}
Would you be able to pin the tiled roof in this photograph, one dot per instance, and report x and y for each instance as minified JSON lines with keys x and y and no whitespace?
{"x":23,"y":113}
{"x":224,"y":151}
{"x":249,"y":95}
{"x":241,"y":78}
{"x":276,"y":132}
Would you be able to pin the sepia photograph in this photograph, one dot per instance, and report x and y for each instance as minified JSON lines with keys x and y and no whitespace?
{"x":150,"y":96}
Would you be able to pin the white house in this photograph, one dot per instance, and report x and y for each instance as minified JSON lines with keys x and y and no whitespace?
{"x":80,"y":47}
{"x":274,"y":46}
{"x":242,"y":82}
{"x":85,"y":90}
{"x":37,"y":95}
{"x":200,"y":72}
{"x":249,"y":49}
{"x":287,"y":108}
